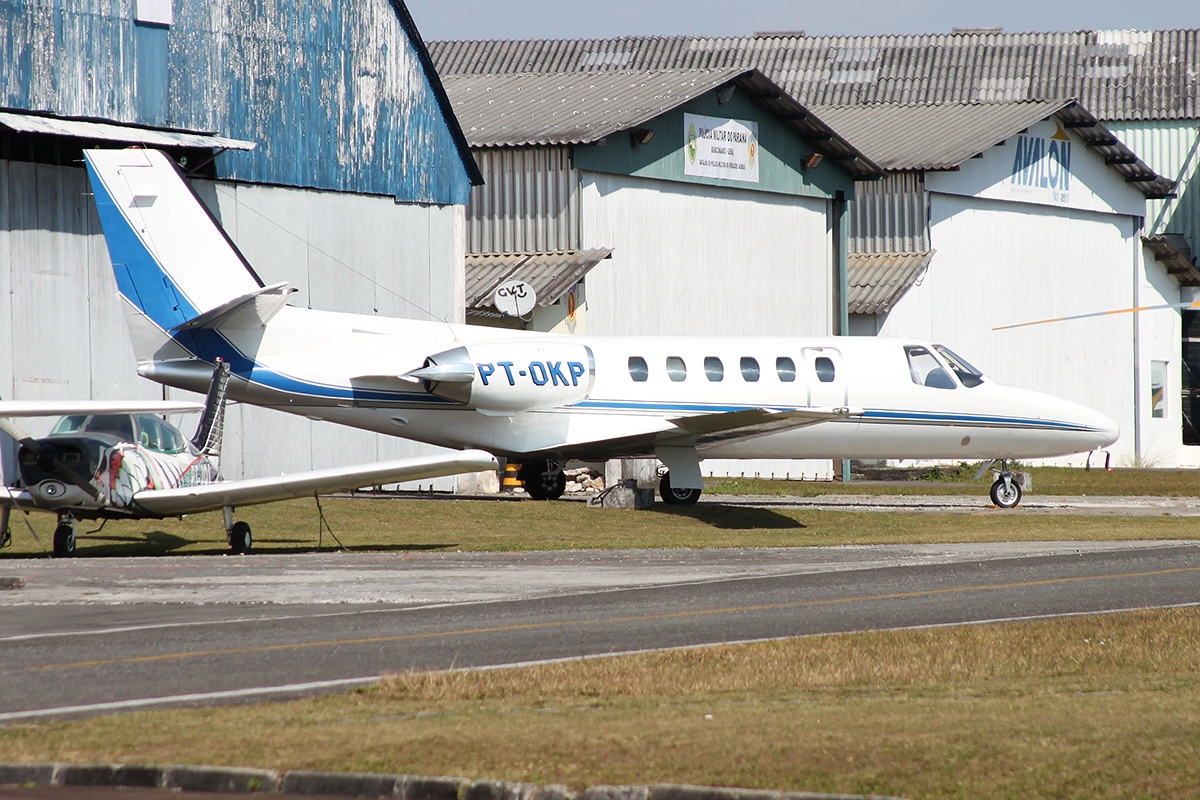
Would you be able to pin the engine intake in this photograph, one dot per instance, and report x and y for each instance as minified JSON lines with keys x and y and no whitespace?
{"x":524,"y":376}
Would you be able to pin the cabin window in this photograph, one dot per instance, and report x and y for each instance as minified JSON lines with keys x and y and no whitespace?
{"x":676,"y":369}
{"x":638,"y":370}
{"x":925,"y":369}
{"x":749,"y":369}
{"x":785,"y":368}
{"x":824,"y":368}
{"x":714,"y":369}
{"x":149,"y":432}
{"x":968,"y":376}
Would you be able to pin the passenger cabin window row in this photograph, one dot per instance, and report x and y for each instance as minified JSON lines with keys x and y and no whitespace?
{"x":714,"y":369}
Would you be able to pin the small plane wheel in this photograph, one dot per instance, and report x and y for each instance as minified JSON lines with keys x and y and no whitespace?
{"x":240,"y":540}
{"x":64,"y":540}
{"x":1006,"y":496}
{"x":676,"y":497}
{"x":543,"y":484}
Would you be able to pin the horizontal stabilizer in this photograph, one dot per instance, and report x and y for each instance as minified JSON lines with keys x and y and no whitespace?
{"x":251,"y":310}
{"x":58,"y":408}
{"x":253,"y":491}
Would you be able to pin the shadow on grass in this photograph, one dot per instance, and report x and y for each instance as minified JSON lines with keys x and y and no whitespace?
{"x":159,"y":543}
{"x":738,"y":518}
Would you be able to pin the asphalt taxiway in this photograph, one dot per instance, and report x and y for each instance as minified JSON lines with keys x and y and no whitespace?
{"x":88,"y":636}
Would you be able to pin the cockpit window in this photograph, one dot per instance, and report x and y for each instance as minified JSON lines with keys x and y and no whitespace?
{"x":925,"y":369}
{"x":967,"y":375}
{"x":156,"y":434}
{"x":69,"y":424}
{"x":115,"y":424}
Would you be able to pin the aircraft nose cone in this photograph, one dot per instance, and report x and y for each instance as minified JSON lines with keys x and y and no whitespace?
{"x":1105,"y":429}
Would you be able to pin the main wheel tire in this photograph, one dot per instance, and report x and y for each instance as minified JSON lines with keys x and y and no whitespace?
{"x":1006,"y":496}
{"x":64,"y":541}
{"x":546,"y":485}
{"x":240,"y":540}
{"x":676,"y":497}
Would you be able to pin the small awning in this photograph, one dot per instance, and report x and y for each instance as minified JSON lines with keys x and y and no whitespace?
{"x":116,"y":132}
{"x":878,"y":280}
{"x":550,"y":274}
{"x":1172,"y":251}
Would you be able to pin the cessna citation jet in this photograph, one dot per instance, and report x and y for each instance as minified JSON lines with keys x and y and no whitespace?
{"x":119,"y":460}
{"x":540,"y":398}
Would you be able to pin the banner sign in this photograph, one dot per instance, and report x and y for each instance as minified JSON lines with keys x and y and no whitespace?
{"x":714,"y":147}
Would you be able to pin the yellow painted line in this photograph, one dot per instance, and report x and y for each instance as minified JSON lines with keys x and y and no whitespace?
{"x":599,"y":621}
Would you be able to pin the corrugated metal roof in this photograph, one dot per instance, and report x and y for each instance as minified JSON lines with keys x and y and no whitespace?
{"x":943,"y":136}
{"x":112,"y":132}
{"x":878,"y":280}
{"x":550,"y":274}
{"x":526,"y":109}
{"x":1115,"y":74}
{"x":932,"y":137}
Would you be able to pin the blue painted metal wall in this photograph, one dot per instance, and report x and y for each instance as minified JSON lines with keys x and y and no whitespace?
{"x":338,"y":95}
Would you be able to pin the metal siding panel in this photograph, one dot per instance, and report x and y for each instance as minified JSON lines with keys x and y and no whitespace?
{"x":529,"y":201}
{"x":336,"y":95}
{"x":890,"y":215}
{"x":754,"y":263}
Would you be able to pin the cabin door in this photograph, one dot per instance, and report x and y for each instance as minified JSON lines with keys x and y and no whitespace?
{"x":825,"y":376}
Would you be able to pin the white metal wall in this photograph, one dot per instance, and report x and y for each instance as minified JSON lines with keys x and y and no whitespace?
{"x":1000,"y":262}
{"x":62,"y":328}
{"x":703,"y":260}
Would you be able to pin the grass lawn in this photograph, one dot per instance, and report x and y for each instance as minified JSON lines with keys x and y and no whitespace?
{"x":1095,"y":707}
{"x":445,"y":524}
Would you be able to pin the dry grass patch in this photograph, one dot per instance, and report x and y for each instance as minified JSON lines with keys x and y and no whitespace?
{"x":1103,"y":706}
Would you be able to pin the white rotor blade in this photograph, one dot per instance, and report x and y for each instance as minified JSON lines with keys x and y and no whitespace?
{"x":1193,"y":304}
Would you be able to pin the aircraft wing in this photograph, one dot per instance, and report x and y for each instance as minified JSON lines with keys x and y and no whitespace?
{"x":731,"y":426}
{"x":59,"y":408}
{"x":15,"y":498}
{"x":212,"y":496}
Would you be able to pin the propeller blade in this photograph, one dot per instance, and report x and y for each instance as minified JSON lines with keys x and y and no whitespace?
{"x":1193,"y":304}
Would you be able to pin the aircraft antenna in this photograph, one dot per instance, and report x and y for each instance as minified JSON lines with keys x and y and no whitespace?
{"x":211,"y":429}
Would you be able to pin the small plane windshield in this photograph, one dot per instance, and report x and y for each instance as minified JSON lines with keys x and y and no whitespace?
{"x":72,"y":423}
{"x":967,"y":374}
{"x":116,"y":424}
{"x":925,"y":369}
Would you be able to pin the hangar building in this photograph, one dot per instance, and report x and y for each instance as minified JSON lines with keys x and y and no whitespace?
{"x":320,"y":138}
{"x":1143,"y":87}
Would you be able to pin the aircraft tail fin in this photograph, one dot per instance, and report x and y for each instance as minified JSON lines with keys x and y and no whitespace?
{"x":172,"y":261}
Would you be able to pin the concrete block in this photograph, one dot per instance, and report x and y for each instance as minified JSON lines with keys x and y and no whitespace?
{"x":108,"y":775}
{"x":347,"y":784}
{"x":36,"y":774}
{"x":819,"y":796}
{"x":1024,"y":480}
{"x":551,"y":791}
{"x":219,"y":779}
{"x":625,"y":495}
{"x":496,"y":790}
{"x":417,"y":787}
{"x":615,"y":793}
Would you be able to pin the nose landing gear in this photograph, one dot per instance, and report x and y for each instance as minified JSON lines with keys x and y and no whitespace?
{"x":1005,"y":492}
{"x":543,"y":480}
{"x":64,"y":537}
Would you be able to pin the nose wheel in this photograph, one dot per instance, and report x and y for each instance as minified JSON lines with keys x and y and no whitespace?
{"x":1006,"y":492}
{"x":64,"y":537}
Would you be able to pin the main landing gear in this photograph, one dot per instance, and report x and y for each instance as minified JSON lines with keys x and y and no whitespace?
{"x":64,"y":537}
{"x":238,"y":534}
{"x":676,"y":497}
{"x":543,"y":480}
{"x":1005,"y":492}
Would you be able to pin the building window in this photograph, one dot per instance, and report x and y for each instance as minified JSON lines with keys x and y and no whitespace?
{"x":785,"y":368}
{"x":824,"y":368}
{"x":638,"y":370}
{"x":749,"y":369}
{"x":676,"y":369}
{"x":714,"y":369}
{"x":1158,"y":389}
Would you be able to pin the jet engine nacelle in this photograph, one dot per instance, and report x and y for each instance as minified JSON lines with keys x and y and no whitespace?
{"x":517,"y":376}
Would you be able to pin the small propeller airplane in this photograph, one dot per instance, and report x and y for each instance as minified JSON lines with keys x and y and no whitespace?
{"x":541,"y":399}
{"x":120,"y":460}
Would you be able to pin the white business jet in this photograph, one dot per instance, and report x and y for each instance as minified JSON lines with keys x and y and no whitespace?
{"x":541,"y":398}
